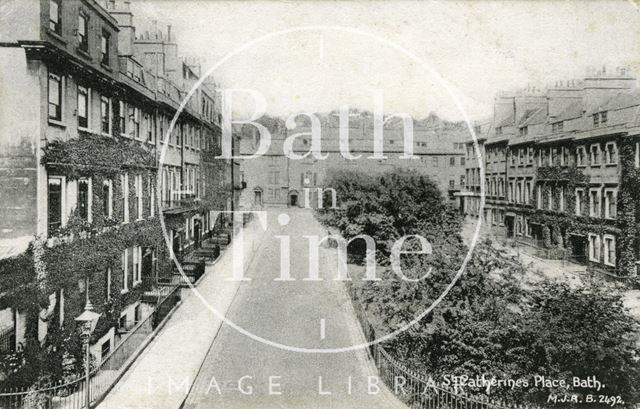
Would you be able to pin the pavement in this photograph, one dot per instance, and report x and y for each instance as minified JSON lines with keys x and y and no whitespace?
{"x":161,"y":376}
{"x":575,"y":275}
{"x":274,"y":350}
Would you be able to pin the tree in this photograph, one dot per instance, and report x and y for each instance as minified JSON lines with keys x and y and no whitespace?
{"x":387,"y":206}
{"x":492,"y":322}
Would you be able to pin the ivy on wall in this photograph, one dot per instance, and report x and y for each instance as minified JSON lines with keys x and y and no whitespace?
{"x":625,"y":227}
{"x":82,"y":251}
{"x":92,"y":154}
{"x":628,"y":218}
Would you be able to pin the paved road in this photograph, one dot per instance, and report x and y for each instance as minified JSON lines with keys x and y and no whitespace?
{"x":241,"y":372}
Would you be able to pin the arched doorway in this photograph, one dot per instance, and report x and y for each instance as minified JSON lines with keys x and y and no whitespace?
{"x":257,"y":196}
{"x":293,"y":198}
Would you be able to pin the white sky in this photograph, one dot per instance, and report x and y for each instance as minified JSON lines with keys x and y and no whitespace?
{"x":478,"y":48}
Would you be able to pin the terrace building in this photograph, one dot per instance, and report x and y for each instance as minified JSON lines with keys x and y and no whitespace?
{"x":438,"y":147}
{"x":82,"y":145}
{"x":571,"y":170}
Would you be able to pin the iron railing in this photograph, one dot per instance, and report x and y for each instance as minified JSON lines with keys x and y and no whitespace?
{"x":70,"y":394}
{"x":7,"y":339}
{"x":417,"y":391}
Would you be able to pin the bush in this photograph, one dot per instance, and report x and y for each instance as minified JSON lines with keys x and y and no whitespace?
{"x":489,"y":323}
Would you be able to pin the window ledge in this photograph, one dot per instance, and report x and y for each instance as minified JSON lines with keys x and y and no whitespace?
{"x":56,"y":36}
{"x":87,"y":130}
{"x":106,"y":67}
{"x":84,"y":53}
{"x":57,"y":123}
{"x":610,"y":165}
{"x":124,"y":291}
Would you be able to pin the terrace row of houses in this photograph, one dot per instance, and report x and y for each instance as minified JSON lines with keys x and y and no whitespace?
{"x":85,"y":108}
{"x":560,"y":170}
{"x":272,"y":179}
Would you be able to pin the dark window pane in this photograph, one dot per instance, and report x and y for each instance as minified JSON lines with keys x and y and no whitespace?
{"x":83,"y":199}
{"x":55,"y":203}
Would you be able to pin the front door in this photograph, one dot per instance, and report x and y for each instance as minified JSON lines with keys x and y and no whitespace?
{"x":509,"y":223}
{"x":196,"y":234}
{"x":578,"y":248}
{"x":176,"y":245}
{"x":147,"y":269}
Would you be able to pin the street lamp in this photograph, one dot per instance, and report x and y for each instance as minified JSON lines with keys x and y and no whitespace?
{"x":88,"y":319}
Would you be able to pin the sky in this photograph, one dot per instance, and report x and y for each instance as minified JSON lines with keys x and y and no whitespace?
{"x":447,"y":57}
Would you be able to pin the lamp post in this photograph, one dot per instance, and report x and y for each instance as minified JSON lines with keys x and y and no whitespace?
{"x":88,"y":319}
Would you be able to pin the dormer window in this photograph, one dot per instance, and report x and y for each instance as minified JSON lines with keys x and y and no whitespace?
{"x":524,"y":131}
{"x":499,"y":130}
{"x":600,"y":119}
{"x":557,"y":127}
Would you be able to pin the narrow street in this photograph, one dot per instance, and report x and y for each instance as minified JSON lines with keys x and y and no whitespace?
{"x":303,"y":314}
{"x":198,"y":361}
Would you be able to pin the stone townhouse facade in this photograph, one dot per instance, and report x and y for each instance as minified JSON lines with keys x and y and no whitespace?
{"x":438,"y":146}
{"x":85,"y":172}
{"x":568,"y":159}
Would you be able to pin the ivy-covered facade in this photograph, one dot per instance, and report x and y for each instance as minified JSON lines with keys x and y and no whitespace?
{"x":88,"y":170}
{"x":570,"y":170}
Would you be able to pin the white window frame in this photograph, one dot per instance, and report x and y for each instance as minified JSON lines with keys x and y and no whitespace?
{"x":133,"y":116}
{"x":64,"y":216}
{"x":598,"y":246}
{"x":539,"y":197}
{"x":592,"y":211}
{"x":89,"y":196}
{"x":591,"y":156}
{"x":110,"y":115}
{"x":612,"y":238}
{"x":139,"y":192}
{"x":152,"y":197}
{"x":607,"y":158}
{"x":511,"y":192}
{"x":637,"y":158}
{"x":562,"y":204}
{"x":579,"y":195}
{"x":607,"y":215}
{"x":109,"y":184}
{"x":122,"y":114}
{"x":108,"y":295}
{"x":137,"y":265}
{"x":62,"y":81}
{"x":581,"y":159}
{"x":87,"y":92}
{"x":124,"y":184}
{"x":125,"y":271}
